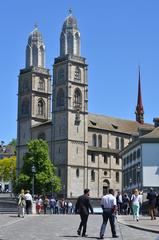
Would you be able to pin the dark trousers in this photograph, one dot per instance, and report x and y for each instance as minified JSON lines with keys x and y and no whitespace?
{"x":107,"y":214}
{"x":28,"y":206}
{"x":83,"y":224}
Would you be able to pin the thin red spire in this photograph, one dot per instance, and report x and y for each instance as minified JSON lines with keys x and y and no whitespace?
{"x":139,"y":108}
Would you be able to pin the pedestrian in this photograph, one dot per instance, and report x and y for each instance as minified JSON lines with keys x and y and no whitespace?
{"x":52,"y":204}
{"x":29,"y":201}
{"x":135,"y":203}
{"x":82,"y":207}
{"x":21,"y":204}
{"x":109,"y":206}
{"x":45,"y":204}
{"x":152,"y":197}
{"x":126,"y":202}
{"x":119,"y":200}
{"x":69,"y":207}
{"x":39,"y":204}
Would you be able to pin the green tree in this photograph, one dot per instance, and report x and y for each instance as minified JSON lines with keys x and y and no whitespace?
{"x":45,"y":177}
{"x":8,"y":168}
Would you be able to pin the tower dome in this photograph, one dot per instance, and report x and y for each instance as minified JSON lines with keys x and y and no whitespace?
{"x":70,"y":37}
{"x":35,"y":50}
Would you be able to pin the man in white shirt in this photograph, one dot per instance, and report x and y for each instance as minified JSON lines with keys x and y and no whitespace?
{"x":28,"y":199}
{"x":109,"y":206}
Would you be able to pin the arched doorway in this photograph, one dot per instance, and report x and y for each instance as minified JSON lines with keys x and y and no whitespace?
{"x":106,"y":186}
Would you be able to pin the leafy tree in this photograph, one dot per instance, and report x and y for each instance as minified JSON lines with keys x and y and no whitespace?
{"x":13,"y":142}
{"x":8,"y":168}
{"x":45,"y":177}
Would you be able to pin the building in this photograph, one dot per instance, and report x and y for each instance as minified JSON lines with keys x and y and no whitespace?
{"x":140,"y":160}
{"x":84,"y":147}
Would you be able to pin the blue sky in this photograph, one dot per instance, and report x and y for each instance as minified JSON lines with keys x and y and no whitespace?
{"x":116,"y":37}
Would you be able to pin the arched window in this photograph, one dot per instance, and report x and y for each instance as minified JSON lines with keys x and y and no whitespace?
{"x":35,"y":56}
{"x":92,"y":175}
{"x":94,"y":140}
{"x":100,"y":141}
{"x":25,"y":107}
{"x":117,"y":176}
{"x":134,"y":155}
{"x":61,"y":75}
{"x":41,"y":105}
{"x":77,"y":74}
{"x":69,"y":43}
{"x":77,"y":98}
{"x":60,"y":98}
{"x":138,"y":153}
{"x":77,"y":172}
{"x":41,"y":84}
{"x":77,"y":44}
{"x":117,"y":143}
{"x":41,"y":136}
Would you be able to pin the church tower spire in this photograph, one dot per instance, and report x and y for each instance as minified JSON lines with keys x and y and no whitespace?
{"x":70,"y":37}
{"x":139,"y":108}
{"x":35,"y":50}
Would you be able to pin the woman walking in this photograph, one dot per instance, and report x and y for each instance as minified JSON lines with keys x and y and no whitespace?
{"x":135,"y":200}
{"x":21,"y":204}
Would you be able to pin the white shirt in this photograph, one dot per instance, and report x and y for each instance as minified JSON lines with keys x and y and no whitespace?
{"x":136,"y":199}
{"x":28,"y":196}
{"x":108,"y":201}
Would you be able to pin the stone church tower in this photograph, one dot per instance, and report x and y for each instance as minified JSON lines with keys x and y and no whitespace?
{"x":34,"y":93}
{"x":70,"y":111}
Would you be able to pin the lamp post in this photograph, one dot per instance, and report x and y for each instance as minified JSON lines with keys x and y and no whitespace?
{"x":138,"y":175}
{"x":33,"y":172}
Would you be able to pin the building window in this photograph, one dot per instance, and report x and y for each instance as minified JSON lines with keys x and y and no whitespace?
{"x":77,"y":74}
{"x":77,"y":101}
{"x":92,"y":175}
{"x":122,"y":143}
{"x":117,"y":176}
{"x":117,"y":143}
{"x":41,"y":107}
{"x":105,"y":158}
{"x":92,"y":157}
{"x":41,"y":84}
{"x":138,"y":153}
{"x":131,"y":157}
{"x":100,"y":141}
{"x":124,"y":161}
{"x":41,"y":136}
{"x":134,"y":155}
{"x":117,"y":160}
{"x":77,"y":172}
{"x":105,"y":173}
{"x":94,"y":140}
{"x":127,"y":159}
{"x":60,"y":98}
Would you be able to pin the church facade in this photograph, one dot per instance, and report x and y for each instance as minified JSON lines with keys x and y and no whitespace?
{"x":83,"y":146}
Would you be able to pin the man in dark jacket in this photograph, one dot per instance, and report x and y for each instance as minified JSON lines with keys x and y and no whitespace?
{"x":152,"y":197}
{"x":82,"y":207}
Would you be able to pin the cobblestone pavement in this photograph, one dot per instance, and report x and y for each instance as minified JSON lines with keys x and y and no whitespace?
{"x":62,"y":227}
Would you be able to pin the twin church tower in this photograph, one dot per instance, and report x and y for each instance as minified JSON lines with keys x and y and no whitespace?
{"x":84,"y":147}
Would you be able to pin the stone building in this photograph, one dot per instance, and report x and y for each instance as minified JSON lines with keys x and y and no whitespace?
{"x":83,"y":146}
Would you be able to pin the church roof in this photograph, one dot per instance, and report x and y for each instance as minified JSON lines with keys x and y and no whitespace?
{"x":152,"y":135}
{"x":114,"y":124}
{"x":35,"y":36}
{"x":70,"y":22}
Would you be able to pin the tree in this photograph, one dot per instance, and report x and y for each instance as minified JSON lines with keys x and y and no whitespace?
{"x":45,"y":177}
{"x":8,"y":168}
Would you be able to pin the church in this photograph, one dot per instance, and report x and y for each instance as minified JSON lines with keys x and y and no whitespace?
{"x":83,"y":146}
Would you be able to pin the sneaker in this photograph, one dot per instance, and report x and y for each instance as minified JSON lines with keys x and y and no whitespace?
{"x":115,"y":236}
{"x":79,"y":232}
{"x":84,"y":235}
{"x":102,"y":237}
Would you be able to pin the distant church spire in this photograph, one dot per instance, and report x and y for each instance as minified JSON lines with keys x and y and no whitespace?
{"x":139,"y":108}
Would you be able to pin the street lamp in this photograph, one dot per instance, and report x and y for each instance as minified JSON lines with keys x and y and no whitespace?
{"x":138,"y":175}
{"x":33,"y":169}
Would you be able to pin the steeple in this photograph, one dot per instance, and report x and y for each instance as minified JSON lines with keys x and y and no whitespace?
{"x":70,"y":37}
{"x":35,"y":50}
{"x":139,"y":108}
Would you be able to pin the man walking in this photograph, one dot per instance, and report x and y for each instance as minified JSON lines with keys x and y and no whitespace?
{"x":82,"y":207}
{"x":28,"y":199}
{"x":109,"y":207}
{"x":152,"y":197}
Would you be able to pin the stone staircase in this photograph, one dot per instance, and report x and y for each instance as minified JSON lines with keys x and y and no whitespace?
{"x":8,"y":204}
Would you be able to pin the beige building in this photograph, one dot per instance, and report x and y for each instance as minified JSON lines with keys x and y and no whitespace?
{"x":84,"y":147}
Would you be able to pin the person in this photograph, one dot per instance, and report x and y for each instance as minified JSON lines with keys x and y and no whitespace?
{"x":39,"y":204}
{"x":119,"y":200}
{"x":126,"y":202}
{"x":29,"y":201}
{"x":69,"y":207}
{"x":82,"y":207}
{"x":45,"y":203}
{"x":135,"y":201}
{"x":152,"y":197}
{"x":109,"y":206}
{"x":21,"y":203}
{"x":52,"y":204}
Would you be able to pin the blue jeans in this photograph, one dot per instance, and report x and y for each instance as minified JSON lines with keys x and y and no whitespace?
{"x":107,"y":214}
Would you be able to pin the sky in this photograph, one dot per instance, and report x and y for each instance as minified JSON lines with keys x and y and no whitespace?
{"x":116,"y":37}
